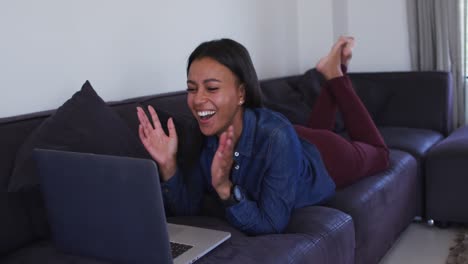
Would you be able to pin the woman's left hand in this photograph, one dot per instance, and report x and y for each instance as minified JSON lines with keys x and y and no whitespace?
{"x":222,"y":164}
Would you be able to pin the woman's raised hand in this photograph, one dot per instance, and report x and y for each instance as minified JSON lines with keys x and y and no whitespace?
{"x":222,"y":164}
{"x":161,"y":147}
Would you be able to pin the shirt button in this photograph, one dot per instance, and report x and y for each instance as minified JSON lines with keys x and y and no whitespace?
{"x":236,"y":154}
{"x":237,"y":167}
{"x":166,"y":190}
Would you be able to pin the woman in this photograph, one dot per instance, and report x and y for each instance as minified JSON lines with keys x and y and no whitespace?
{"x":252,"y":158}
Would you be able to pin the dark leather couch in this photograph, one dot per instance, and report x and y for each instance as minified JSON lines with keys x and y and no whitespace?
{"x":447,"y":178}
{"x":358,"y":225}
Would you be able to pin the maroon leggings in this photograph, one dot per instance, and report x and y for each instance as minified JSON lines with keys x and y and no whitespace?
{"x":346,"y":160}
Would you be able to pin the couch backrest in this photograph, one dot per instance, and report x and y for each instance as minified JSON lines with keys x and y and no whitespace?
{"x":14,"y":130}
{"x":407,"y":99}
{"x":400,"y":99}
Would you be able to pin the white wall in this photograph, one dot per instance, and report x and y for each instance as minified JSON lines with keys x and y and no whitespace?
{"x":315,"y":24}
{"x":48,"y":48}
{"x":380,"y":29}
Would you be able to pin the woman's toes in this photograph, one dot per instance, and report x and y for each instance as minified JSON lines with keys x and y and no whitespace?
{"x":347,"y":52}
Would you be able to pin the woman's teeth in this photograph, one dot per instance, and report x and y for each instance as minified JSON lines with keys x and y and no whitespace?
{"x":206,"y":114}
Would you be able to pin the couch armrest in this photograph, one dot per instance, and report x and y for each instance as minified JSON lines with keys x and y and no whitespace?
{"x":330,"y":231}
{"x":407,"y":99}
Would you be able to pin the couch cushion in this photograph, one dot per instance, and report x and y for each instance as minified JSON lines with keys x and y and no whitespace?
{"x":415,"y":141}
{"x":281,"y":96}
{"x":332,"y":232}
{"x":83,"y":124}
{"x":45,"y":251}
{"x":314,"y":234}
{"x":318,"y":234}
{"x":381,"y":206}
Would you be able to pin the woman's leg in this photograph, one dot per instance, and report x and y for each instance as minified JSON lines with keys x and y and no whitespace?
{"x":323,"y":112}
{"x":357,"y":120}
{"x":346,"y":161}
{"x":366,"y":152}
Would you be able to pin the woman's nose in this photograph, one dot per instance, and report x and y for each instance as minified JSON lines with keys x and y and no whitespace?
{"x":199,"y":97}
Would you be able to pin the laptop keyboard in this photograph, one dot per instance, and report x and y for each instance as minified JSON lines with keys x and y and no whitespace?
{"x":178,"y":249}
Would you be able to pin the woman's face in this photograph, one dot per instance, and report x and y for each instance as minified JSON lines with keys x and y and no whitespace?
{"x":215,"y":97}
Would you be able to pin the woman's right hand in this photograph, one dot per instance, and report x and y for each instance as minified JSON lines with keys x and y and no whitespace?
{"x":161,"y":147}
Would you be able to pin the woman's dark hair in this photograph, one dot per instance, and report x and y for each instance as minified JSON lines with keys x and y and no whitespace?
{"x":237,"y":59}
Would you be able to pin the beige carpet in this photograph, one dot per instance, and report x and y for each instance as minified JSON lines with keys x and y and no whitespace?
{"x":459,"y":253}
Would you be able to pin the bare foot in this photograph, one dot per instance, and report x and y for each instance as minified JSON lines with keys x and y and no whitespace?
{"x":330,"y":65}
{"x":341,"y":53}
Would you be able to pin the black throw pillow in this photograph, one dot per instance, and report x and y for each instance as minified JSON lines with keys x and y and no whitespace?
{"x":284,"y":96}
{"x":84,"y":123}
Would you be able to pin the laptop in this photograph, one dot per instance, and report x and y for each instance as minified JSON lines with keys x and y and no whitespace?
{"x":111,"y":208}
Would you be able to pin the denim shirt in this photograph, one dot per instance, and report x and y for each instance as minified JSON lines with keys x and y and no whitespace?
{"x":276,"y":170}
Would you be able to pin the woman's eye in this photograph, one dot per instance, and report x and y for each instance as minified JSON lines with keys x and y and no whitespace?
{"x":212,"y":89}
{"x":190,"y":90}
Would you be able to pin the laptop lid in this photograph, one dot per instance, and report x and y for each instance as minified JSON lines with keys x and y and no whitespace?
{"x":104,"y":206}
{"x":111,"y":208}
